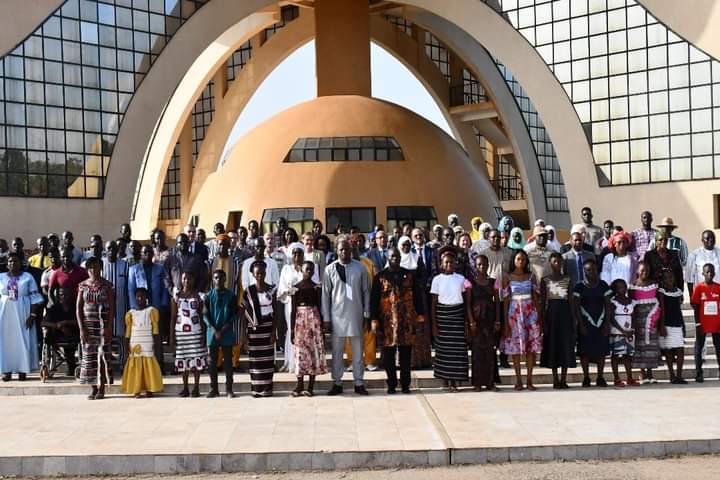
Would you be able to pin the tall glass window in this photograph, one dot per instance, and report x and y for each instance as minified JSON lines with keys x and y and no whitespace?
{"x":65,"y":89}
{"x":648,"y":99}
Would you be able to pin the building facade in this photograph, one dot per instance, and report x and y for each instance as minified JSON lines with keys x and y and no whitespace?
{"x":116,"y":111}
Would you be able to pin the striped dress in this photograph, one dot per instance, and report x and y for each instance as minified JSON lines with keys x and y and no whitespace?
{"x":95,"y":362}
{"x":451,"y":351}
{"x":190,"y":350}
{"x":259,"y":314}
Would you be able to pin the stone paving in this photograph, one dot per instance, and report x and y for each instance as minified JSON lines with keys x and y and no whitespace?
{"x":66,"y":434}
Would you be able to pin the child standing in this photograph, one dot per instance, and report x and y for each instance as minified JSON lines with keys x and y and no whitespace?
{"x":672,"y":338}
{"x":646,"y":323}
{"x":142,"y":336}
{"x":219,"y":316}
{"x":591,"y":311}
{"x":622,"y":335}
{"x":706,"y":300}
{"x":558,"y":349}
{"x":451,"y":311}
{"x":190,"y":352}
{"x":306,"y":331}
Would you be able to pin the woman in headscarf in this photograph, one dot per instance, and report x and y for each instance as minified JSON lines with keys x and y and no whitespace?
{"x":290,"y":275}
{"x":475,"y":231}
{"x":517,"y":239}
{"x":408,"y":258}
{"x":506,"y":224}
{"x":553,"y":243}
{"x":619,"y":263}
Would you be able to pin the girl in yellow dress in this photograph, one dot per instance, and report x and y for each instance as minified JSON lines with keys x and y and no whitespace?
{"x":142,"y":334}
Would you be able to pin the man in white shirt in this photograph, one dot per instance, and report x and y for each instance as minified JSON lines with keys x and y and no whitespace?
{"x":272,"y":275}
{"x":708,"y":253}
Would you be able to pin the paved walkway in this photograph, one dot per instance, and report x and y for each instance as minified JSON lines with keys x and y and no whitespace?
{"x":70,"y":435}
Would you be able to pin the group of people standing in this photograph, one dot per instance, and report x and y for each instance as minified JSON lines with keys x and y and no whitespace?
{"x":605,"y":292}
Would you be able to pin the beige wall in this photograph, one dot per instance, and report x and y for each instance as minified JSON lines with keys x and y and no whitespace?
{"x":20,"y":18}
{"x":697,"y":21}
{"x":432,"y":160}
{"x":342,"y":47}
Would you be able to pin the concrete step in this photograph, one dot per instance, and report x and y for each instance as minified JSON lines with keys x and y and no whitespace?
{"x":285,"y":382}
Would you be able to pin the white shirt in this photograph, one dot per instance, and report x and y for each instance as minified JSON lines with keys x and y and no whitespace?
{"x":272,"y":275}
{"x":449,"y":288}
{"x":617,"y":267}
{"x":697,"y":259}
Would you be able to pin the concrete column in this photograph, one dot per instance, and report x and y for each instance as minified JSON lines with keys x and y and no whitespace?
{"x":186,"y":167}
{"x":221,"y":85}
{"x":342,"y":47}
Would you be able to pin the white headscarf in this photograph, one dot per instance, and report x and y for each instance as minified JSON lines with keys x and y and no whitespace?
{"x":291,"y":247}
{"x":555,"y":244}
{"x":407,"y":260}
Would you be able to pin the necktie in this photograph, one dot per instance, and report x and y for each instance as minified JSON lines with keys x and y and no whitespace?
{"x":578,"y":260}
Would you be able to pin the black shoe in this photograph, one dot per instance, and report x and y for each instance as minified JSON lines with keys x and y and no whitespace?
{"x":335,"y":390}
{"x":505,"y":365}
{"x":195,"y":392}
{"x":6,"y":377}
{"x":586,"y":382}
{"x":184,"y":393}
{"x":556,"y":385}
{"x":406,"y":390}
{"x":601,"y":382}
{"x":360,"y":390}
{"x":391,"y":391}
{"x":564,"y":385}
{"x":229,"y":394}
{"x":212,"y":393}
{"x":699,"y":378}
{"x":680,"y":381}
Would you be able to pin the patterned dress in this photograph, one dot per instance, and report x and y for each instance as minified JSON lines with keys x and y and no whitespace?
{"x":190,"y":350}
{"x":647,"y":314}
{"x":483,"y":342}
{"x":522,"y":318}
{"x":558,"y":336}
{"x":259,"y":313}
{"x":396,"y":301}
{"x":96,"y":353}
{"x":308,"y":337}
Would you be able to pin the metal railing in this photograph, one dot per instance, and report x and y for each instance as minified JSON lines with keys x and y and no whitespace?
{"x":508,"y":188}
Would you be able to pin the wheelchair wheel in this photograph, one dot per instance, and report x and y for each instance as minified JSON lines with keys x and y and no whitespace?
{"x":44,"y":374}
{"x":77,"y":373}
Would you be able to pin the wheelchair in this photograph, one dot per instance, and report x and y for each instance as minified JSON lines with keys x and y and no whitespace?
{"x":53,"y":353}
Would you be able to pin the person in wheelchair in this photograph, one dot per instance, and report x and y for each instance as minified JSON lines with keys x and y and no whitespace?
{"x":60,"y":330}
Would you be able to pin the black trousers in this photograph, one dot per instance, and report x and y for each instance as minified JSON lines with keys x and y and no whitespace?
{"x":405,"y":352}
{"x":227,"y":367}
{"x":280,"y":325}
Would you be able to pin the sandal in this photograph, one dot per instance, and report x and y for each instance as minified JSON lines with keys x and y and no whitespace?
{"x":632,"y":382}
{"x":307,"y":393}
{"x":519,"y":387}
{"x":619,"y":383}
{"x":295,"y":393}
{"x":531,"y":387}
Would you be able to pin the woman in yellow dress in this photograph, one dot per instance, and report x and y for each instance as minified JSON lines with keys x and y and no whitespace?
{"x":142,"y":335}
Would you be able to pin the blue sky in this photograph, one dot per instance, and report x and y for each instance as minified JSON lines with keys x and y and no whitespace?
{"x":293,"y":82}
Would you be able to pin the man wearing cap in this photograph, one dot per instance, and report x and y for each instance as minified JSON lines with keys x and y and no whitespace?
{"x":577,"y":228}
{"x":539,"y":254}
{"x":574,"y":259}
{"x":642,"y":237}
{"x":667,"y":225}
{"x":593,"y":233}
{"x":453,"y":220}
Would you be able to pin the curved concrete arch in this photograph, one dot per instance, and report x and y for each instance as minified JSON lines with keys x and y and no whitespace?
{"x":213,"y":33}
{"x":25,"y":19}
{"x":263,"y":62}
{"x":699,"y":25}
{"x":482,"y":66}
{"x":488,"y":28}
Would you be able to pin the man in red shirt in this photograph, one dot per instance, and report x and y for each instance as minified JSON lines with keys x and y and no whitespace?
{"x":68,"y":276}
{"x":706,"y":301}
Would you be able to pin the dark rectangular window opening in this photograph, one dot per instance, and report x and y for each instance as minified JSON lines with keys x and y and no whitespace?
{"x":361,"y":217}
{"x":424,"y":217}
{"x":345,"y":149}
{"x":298,"y":218}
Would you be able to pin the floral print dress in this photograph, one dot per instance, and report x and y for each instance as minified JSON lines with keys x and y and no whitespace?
{"x":522,"y":318}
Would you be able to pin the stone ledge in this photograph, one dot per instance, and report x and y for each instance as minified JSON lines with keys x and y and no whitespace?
{"x":38,"y":466}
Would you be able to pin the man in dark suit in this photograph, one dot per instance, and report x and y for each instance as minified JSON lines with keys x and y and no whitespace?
{"x":196,"y":248}
{"x":378,"y":255}
{"x":573,"y":259}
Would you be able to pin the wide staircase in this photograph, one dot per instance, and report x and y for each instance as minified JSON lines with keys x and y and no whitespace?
{"x":375,"y":380}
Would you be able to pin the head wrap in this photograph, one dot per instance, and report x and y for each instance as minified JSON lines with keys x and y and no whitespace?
{"x":506,"y":221}
{"x":554,"y":244}
{"x":539,"y":222}
{"x":578,"y":228}
{"x":617,"y":236}
{"x":453,"y":216}
{"x":407,"y":260}
{"x":475,"y":234}
{"x":222,"y":237}
{"x":292,"y":247}
{"x":511,"y":243}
